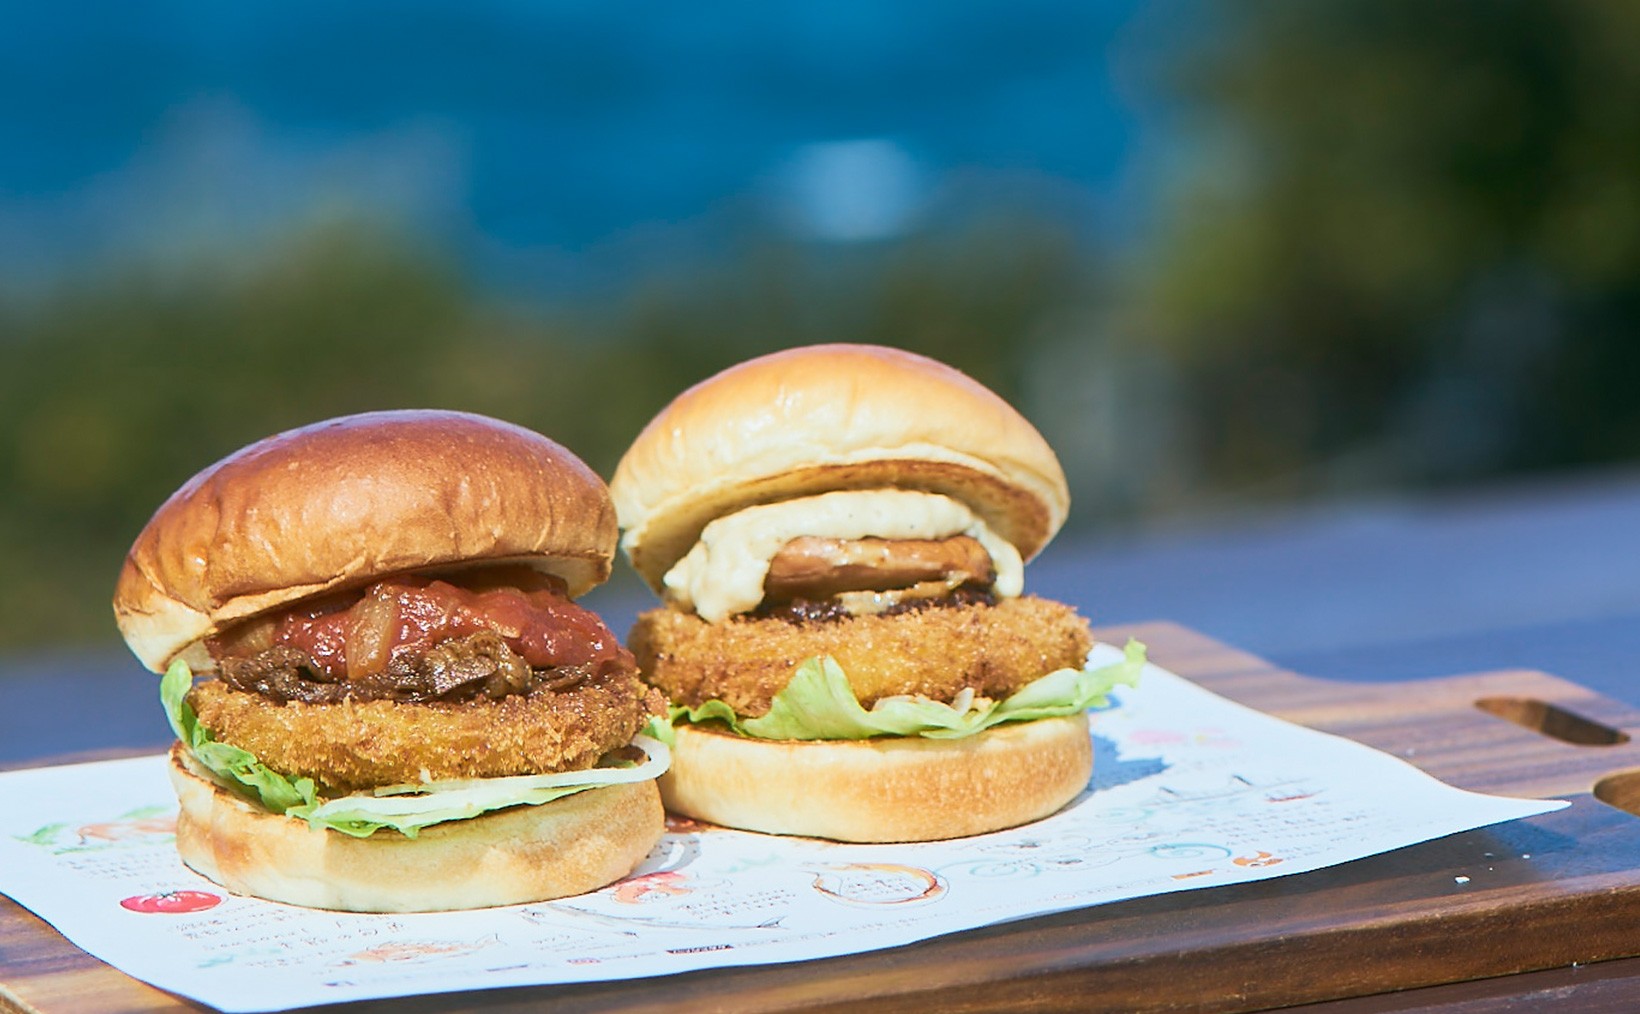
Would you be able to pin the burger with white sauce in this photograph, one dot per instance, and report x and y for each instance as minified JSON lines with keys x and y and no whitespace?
{"x":838,"y":533}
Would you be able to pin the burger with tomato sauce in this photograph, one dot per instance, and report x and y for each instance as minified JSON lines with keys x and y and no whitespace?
{"x":385,"y":695}
{"x":838,"y":533}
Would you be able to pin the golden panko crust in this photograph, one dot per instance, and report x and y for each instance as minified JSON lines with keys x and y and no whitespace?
{"x":354,"y":745}
{"x":936,"y":652}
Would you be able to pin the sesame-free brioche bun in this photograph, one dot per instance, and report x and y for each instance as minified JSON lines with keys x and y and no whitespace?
{"x":891,"y":789}
{"x":341,"y":503}
{"x":832,"y":417}
{"x":523,"y":854}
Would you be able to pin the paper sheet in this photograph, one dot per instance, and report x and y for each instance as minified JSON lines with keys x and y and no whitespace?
{"x":1189,"y":791}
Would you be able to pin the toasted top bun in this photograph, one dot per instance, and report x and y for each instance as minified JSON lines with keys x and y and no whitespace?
{"x":830,"y":417}
{"x":341,"y":503}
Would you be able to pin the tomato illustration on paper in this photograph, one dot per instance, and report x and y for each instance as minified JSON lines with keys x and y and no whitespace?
{"x":132,"y":829}
{"x":652,"y":887}
{"x":1257,"y":860}
{"x":878,"y":884}
{"x":171,"y":902}
{"x":414,"y":950}
{"x":142,"y":826}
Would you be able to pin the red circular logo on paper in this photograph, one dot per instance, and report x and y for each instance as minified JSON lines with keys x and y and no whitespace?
{"x":172,"y":902}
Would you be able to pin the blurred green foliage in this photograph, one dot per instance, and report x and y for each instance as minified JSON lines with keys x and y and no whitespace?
{"x":1408,"y":244}
{"x":120,"y":387}
{"x":1399,"y":243}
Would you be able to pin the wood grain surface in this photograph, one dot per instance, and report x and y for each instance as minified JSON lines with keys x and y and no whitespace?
{"x":1555,"y":892}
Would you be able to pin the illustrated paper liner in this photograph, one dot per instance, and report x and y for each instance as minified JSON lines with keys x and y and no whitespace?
{"x":1189,"y":791}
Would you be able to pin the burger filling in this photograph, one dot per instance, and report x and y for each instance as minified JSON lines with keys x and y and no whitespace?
{"x":416,"y":701}
{"x":833,"y":610}
{"x":937,"y":672}
{"x":861,"y":613}
{"x":811,"y":567}
{"x":860,"y":552}
{"x":417,"y":639}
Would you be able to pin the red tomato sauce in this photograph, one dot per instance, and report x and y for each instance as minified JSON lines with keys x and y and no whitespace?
{"x":412,"y":614}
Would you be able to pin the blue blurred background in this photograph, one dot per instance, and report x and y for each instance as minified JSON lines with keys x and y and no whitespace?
{"x":1228,"y":257}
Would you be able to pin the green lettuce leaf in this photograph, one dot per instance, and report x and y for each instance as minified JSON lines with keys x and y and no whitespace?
{"x":819,"y":703}
{"x":402,"y":808}
{"x":236,"y":768}
{"x":409,"y":808}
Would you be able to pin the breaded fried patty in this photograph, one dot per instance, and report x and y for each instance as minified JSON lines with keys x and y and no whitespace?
{"x":354,"y":745}
{"x":936,"y":652}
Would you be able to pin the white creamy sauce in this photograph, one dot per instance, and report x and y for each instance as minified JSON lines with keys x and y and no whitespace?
{"x":723,"y":573}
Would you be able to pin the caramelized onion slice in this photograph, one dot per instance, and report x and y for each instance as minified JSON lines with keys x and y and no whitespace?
{"x":370,"y":633}
{"x":249,"y":638}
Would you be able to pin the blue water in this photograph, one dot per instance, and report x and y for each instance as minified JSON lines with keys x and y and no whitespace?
{"x":528,"y":124}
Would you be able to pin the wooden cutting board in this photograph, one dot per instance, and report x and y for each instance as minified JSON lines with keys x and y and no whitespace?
{"x":1548,"y":892}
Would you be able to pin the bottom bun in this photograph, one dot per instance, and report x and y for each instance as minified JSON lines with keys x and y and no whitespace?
{"x":525,"y":853}
{"x":893,"y":789}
